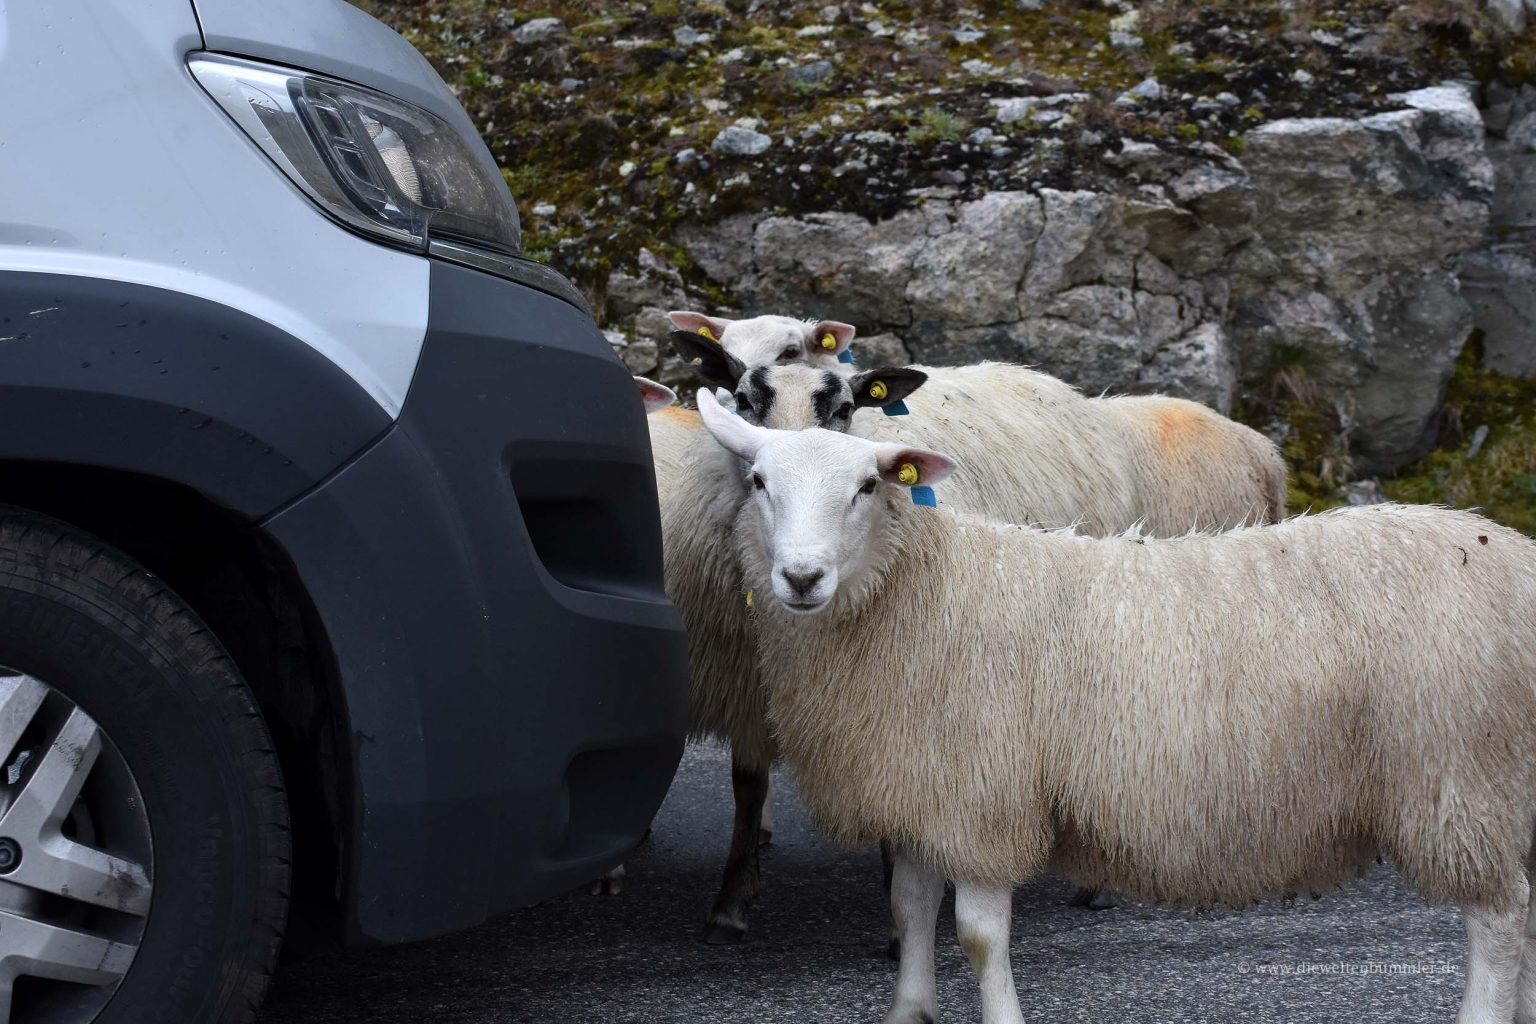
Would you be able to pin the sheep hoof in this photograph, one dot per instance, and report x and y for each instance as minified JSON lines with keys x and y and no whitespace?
{"x":612,"y":883}
{"x":893,"y":949}
{"x":723,"y":933}
{"x":1093,"y":899}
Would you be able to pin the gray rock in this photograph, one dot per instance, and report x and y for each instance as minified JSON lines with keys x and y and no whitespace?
{"x":1017,"y":108}
{"x":739,"y":141}
{"x":1126,"y":41}
{"x":651,"y":322}
{"x":1501,"y":288}
{"x":1515,"y":14}
{"x":1200,"y":365}
{"x":1499,"y":279}
{"x":880,"y":350}
{"x":1357,"y":225}
{"x":1148,"y":89}
{"x":1338,"y":238}
{"x":814,"y":73}
{"x":686,"y":36}
{"x":654,"y":283}
{"x":641,"y":356}
{"x":1363,"y":492}
{"x":538,"y":30}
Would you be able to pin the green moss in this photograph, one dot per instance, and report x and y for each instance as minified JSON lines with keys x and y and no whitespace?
{"x":935,"y":124}
{"x":1187,"y":132}
{"x":1292,"y":392}
{"x":1501,"y":477}
{"x":1235,"y":144}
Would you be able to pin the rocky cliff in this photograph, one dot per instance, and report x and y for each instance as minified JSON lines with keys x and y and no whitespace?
{"x":1295,"y":212}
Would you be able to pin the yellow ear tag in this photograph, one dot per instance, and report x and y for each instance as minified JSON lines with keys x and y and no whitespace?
{"x":878,"y":390}
{"x":828,"y":341}
{"x":907,"y":474}
{"x":706,"y":332}
{"x":749,"y":599}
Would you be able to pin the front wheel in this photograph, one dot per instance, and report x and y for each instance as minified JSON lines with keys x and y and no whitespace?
{"x":144,"y":848}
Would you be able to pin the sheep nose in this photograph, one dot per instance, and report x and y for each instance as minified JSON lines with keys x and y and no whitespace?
{"x":802,"y":582}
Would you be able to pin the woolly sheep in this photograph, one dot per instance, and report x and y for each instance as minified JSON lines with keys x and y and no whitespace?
{"x":1058,"y":457}
{"x":699,"y":488}
{"x":1100,"y":463}
{"x":1202,"y":719}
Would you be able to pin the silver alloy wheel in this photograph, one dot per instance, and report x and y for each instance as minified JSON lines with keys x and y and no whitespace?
{"x":75,"y":858}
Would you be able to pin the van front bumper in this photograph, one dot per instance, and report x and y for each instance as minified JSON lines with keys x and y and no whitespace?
{"x":489,"y":574}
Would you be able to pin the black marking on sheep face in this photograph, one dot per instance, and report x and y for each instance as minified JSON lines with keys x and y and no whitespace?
{"x":755,"y":396}
{"x":832,"y":402}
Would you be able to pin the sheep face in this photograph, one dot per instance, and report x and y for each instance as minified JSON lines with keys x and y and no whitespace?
{"x":770,"y":340}
{"x":818,"y":501}
{"x":796,"y":395}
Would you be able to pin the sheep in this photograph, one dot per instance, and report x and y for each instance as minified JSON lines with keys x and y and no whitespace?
{"x":699,"y":489}
{"x":1103,"y":464}
{"x":1211,"y":718}
{"x":1100,"y":463}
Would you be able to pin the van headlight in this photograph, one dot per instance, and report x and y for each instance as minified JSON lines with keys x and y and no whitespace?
{"x":379,"y":165}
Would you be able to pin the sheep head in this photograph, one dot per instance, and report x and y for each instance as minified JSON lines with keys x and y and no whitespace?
{"x":796,"y":395}
{"x":766,"y":340}
{"x":817,"y":498}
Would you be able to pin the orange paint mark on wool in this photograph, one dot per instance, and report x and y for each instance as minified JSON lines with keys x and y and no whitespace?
{"x":1179,"y":425}
{"x":687,"y":417}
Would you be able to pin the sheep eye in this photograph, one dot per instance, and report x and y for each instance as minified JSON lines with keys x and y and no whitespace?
{"x":869,"y":486}
{"x":743,"y":403}
{"x":757,"y":482}
{"x":789,"y":353}
{"x":844,"y":411}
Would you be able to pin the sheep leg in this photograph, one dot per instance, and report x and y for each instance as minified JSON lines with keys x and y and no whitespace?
{"x":888,"y":870}
{"x":738,"y":888}
{"x":765,"y":828}
{"x":1525,"y":1008}
{"x":1496,"y":943}
{"x":982,"y":918}
{"x":916,"y":892}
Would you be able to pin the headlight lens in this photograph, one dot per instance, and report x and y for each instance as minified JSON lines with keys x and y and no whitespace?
{"x":378,"y":164}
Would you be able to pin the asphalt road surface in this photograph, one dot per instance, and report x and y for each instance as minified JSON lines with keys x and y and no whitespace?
{"x":816,"y":951}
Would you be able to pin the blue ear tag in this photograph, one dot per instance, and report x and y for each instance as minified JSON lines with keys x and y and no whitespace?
{"x":845,"y":356}
{"x":924,"y":496}
{"x":897,"y":408}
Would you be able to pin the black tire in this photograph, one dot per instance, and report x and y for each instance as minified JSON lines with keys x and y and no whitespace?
{"x":84,"y":618}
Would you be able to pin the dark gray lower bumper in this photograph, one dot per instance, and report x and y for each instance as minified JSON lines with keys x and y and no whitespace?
{"x":489,"y":574}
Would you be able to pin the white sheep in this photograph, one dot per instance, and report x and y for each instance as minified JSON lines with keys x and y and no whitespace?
{"x":1099,"y":463}
{"x":1058,"y":458}
{"x":1213,"y":718}
{"x":700,"y":491}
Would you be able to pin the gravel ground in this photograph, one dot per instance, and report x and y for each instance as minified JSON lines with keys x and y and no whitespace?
{"x":817,"y":949}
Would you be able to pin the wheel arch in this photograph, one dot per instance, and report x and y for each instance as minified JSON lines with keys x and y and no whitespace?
{"x":243,"y":586}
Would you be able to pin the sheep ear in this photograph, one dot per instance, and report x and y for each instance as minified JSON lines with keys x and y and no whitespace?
{"x":698,"y":323}
{"x":912,"y":466}
{"x":735,"y":434}
{"x":708,"y":359}
{"x":885,"y":386}
{"x":655,"y":396}
{"x":838,"y":333}
{"x":726,"y":399}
